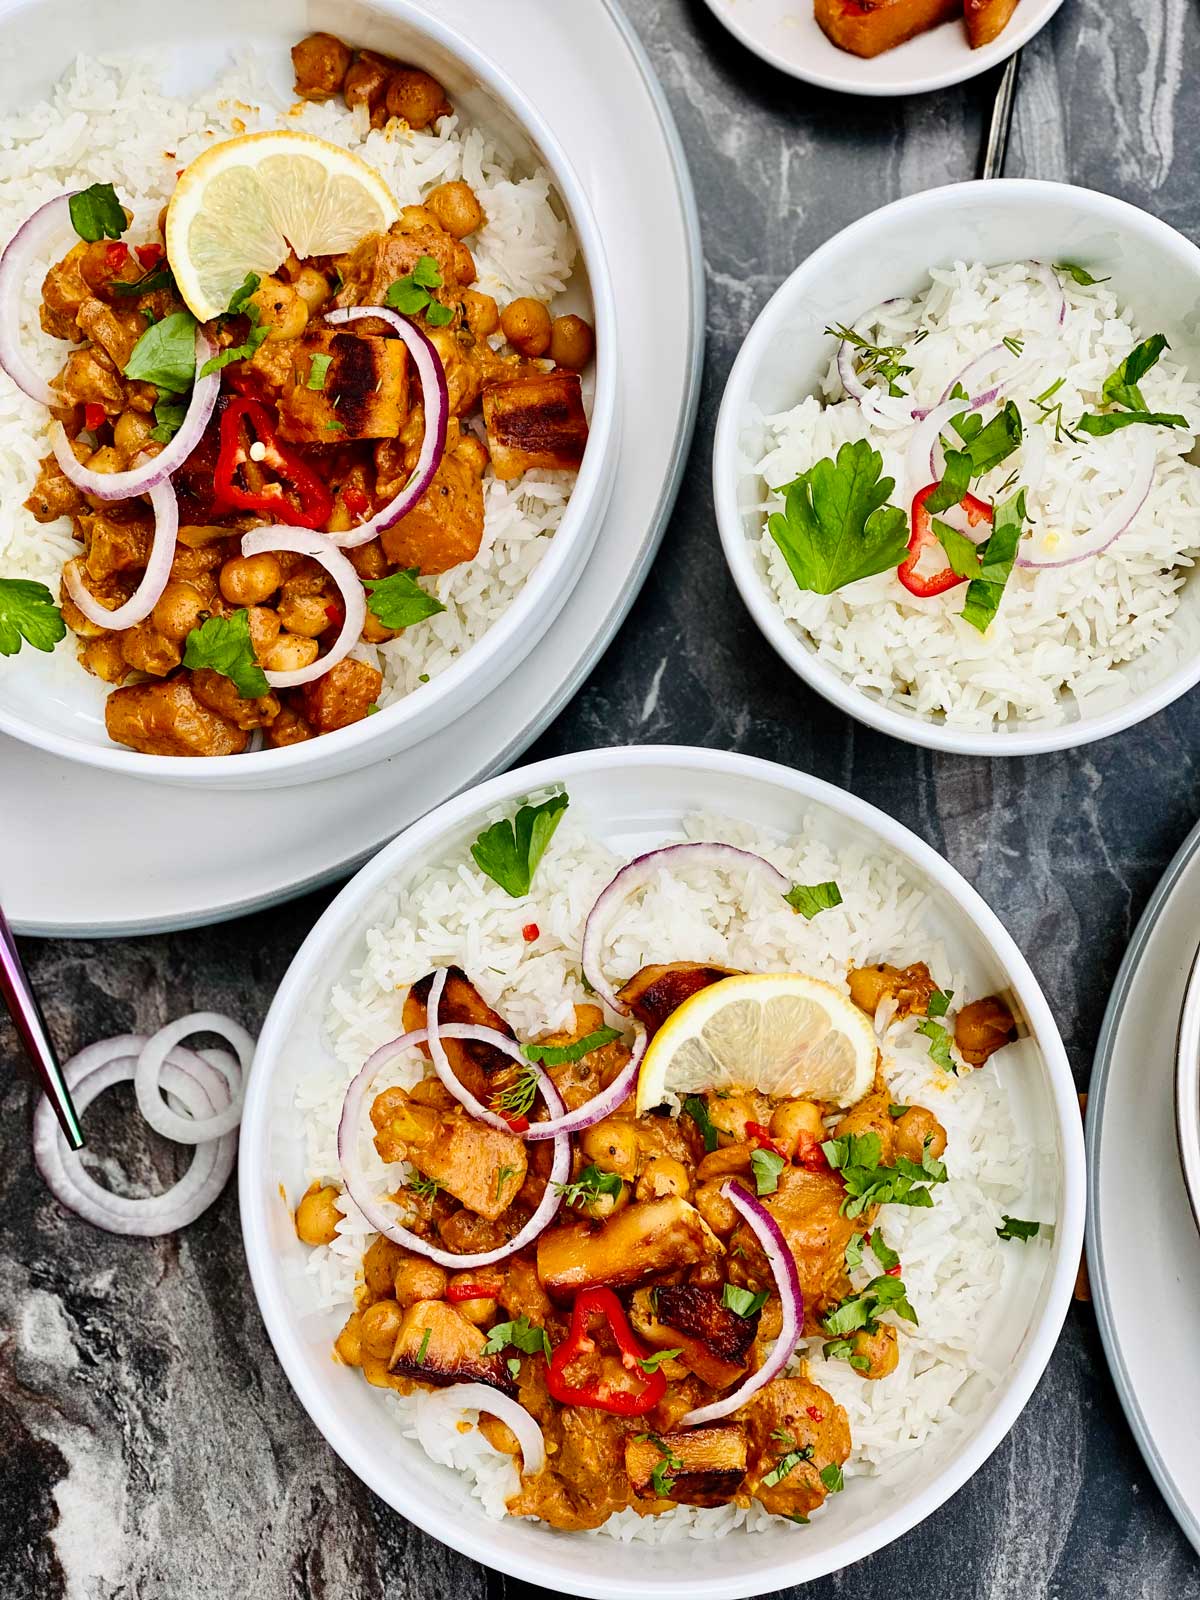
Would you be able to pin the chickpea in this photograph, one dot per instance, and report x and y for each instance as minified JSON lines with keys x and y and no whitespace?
{"x":106,"y":459}
{"x":880,"y":1350}
{"x":178,"y":610}
{"x":418,"y":1279}
{"x":379,"y":1326}
{"x":131,"y":432}
{"x":526,"y":325}
{"x":913,"y":1128}
{"x":374,"y":632}
{"x":477,"y":1311}
{"x":612,"y":1146}
{"x":982,"y":1027}
{"x":456,"y":208}
{"x":868,"y":986}
{"x":716,"y":1210}
{"x":368,"y":560}
{"x":366,"y":84}
{"x":415,"y":97}
{"x":249,"y":580}
{"x":572,"y":343}
{"x":348,"y":1343}
{"x":312,"y":287}
{"x":481,"y":311}
{"x":281,"y":310}
{"x":289,"y":653}
{"x":663,"y":1176}
{"x":317,"y":1216}
{"x":796,"y":1123}
{"x":306,"y":614}
{"x":264,"y":630}
{"x":730,"y":1113}
{"x":603,"y":1206}
{"x":379,"y":1267}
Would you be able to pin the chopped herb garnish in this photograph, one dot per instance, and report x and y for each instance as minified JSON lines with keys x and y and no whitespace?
{"x":663,"y":1476}
{"x":168,"y":418}
{"x":509,"y":853}
{"x":160,"y":278}
{"x":743,"y":1301}
{"x":166,"y":353}
{"x":424,"y":1188}
{"x":883,"y":1252}
{"x":1016,"y":346}
{"x":27,"y":611}
{"x":986,"y":446}
{"x":860,"y":1312}
{"x":1121,"y":388}
{"x":1014,"y":1228}
{"x":996,"y":559}
{"x":1080,"y":274}
{"x":766,"y":1165}
{"x":521,"y":1334}
{"x":797,"y":1517}
{"x":698,"y":1111}
{"x":223,"y":645}
{"x":318,"y":371}
{"x":411,"y":295}
{"x":882,"y":360}
{"x":514,"y":1366}
{"x":786,"y":1464}
{"x":1053,"y":412}
{"x":843,"y":1350}
{"x":854,"y":1252}
{"x":503,"y":1174}
{"x":939,"y":1002}
{"x":424,"y":1345}
{"x":831,"y":1477}
{"x":517,"y":1100}
{"x":810,"y":898}
{"x":239,"y":352}
{"x":557,"y":1055}
{"x":956,"y":480}
{"x":334,"y":427}
{"x":898,"y":1111}
{"x":1100,"y":426}
{"x":857,"y":1157}
{"x":96,"y":213}
{"x":652,"y":1363}
{"x":241,"y":296}
{"x":398,"y":600}
{"x":939,"y":1044}
{"x":590,"y":1185}
{"x":836,"y":526}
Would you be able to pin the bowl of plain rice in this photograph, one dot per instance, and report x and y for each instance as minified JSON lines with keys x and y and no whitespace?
{"x":989,"y":1310}
{"x":113,"y":94}
{"x":1039,"y":308}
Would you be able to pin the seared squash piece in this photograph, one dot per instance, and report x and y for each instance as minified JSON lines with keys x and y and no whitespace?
{"x":436,"y":1345}
{"x":699,"y":1466}
{"x":869,"y":27}
{"x":987,"y":19}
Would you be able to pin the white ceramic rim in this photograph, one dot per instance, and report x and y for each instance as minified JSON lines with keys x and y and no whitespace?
{"x":754,"y":591}
{"x":974,"y":62}
{"x":308,"y":967}
{"x":539,"y":595}
{"x":1187,"y":1088}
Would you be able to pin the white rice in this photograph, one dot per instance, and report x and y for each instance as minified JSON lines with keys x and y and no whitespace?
{"x":108,"y":121}
{"x":1059,"y":635}
{"x":954,"y":1265}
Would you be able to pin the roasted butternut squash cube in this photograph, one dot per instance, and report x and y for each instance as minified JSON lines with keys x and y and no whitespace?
{"x":693,"y":1466}
{"x":869,"y":27}
{"x":535,"y":421}
{"x":987,"y":19}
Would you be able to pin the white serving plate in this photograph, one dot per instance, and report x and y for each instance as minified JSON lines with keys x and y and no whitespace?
{"x":1187,"y":1087}
{"x":125,"y":872}
{"x":785,"y":33}
{"x":635,"y":799}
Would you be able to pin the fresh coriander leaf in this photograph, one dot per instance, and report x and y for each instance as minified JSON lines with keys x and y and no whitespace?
{"x":223,"y":643}
{"x":766,"y":1165}
{"x":517,"y":1100}
{"x":590,"y":1186}
{"x":797,"y":1517}
{"x":652,"y":1363}
{"x":836,"y":526}
{"x":939,"y":1002}
{"x":96,"y":213}
{"x":857,"y":1158}
{"x":961,"y":552}
{"x":854,"y":1252}
{"x":1121,"y":386}
{"x":166,"y":353}
{"x":424,"y":1345}
{"x":967,"y":424}
{"x":663,"y":1476}
{"x":810,"y":898}
{"x":1099,"y":426}
{"x":939,"y":1044}
{"x":318,"y":371}
{"x":860,"y":1312}
{"x":399,"y":600}
{"x":831,"y":1477}
{"x":521,"y":1334}
{"x":1080,"y":274}
{"x":514,"y":1366}
{"x":1014,"y":1228}
{"x":898,"y":1111}
{"x":168,"y":417}
{"x":509,"y":853}
{"x":882,"y":1251}
{"x":742,"y":1301}
{"x":503,"y":1174}
{"x":786,"y":1464}
{"x":241,"y":296}
{"x":27,"y":611}
{"x":237,"y":352}
{"x":997,"y":557}
{"x":956,"y":480}
{"x":437,"y":315}
{"x":698,"y":1111}
{"x":557,"y":1055}
{"x":426,"y":274}
{"x":406,"y":296}
{"x":161,"y":278}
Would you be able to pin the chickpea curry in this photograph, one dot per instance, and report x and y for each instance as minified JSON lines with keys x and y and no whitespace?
{"x":322,"y":421}
{"x":652,"y":1295}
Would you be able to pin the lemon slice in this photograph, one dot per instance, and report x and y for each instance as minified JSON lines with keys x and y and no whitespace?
{"x":781,"y":1033}
{"x":241,"y":205}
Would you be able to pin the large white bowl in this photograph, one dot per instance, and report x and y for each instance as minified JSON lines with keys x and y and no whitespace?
{"x":634,"y":799}
{"x":1154,"y":270}
{"x":49,"y":701}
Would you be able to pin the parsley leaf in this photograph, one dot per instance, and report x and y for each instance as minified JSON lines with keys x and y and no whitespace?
{"x":810,"y":898}
{"x":166,"y":353}
{"x":939,"y":1044}
{"x":521,"y":1334}
{"x":766,"y":1165}
{"x":590,"y":1186}
{"x":239,"y":352}
{"x":961,"y":552}
{"x":996,"y":560}
{"x":836,"y":526}
{"x":698,"y":1111}
{"x":223,"y":643}
{"x":27,"y":611}
{"x":398,"y":600}
{"x":318,"y":371}
{"x":509,"y":854}
{"x":1014,"y":1228}
{"x":939,"y":1002}
{"x":843,"y":1350}
{"x":514,"y":1366}
{"x":557,"y":1055}
{"x":743,"y":1301}
{"x":663,"y":1476}
{"x":988,"y":446}
{"x":96,"y":213}
{"x":1080,"y":274}
{"x":1099,"y":426}
{"x":854,"y":1252}
{"x":652,"y":1363}
{"x":831,"y":1477}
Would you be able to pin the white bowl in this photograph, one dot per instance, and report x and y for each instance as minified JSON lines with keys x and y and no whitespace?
{"x":1153,"y":268}
{"x":785,"y":33}
{"x":61,"y":710}
{"x":1187,"y":1088}
{"x":633,"y":799}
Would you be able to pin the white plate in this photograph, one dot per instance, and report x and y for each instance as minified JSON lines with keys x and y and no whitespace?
{"x":1143,"y":1247}
{"x":785,"y":33}
{"x":635,"y":799}
{"x":98,"y":854}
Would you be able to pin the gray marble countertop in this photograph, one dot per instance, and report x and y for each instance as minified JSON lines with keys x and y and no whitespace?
{"x":150,"y":1448}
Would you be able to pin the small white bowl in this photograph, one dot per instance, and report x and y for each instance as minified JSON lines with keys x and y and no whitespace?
{"x":51,"y":702}
{"x":634,"y":799}
{"x":1154,"y":269}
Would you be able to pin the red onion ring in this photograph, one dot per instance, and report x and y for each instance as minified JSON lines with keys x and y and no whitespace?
{"x":787,"y":1281}
{"x":479,"y":1397}
{"x":154,"y":469}
{"x":1118,"y":517}
{"x":356,"y":1186}
{"x":981,"y":363}
{"x":154,"y":580}
{"x":636,"y":875}
{"x":37,"y":236}
{"x":304,"y":542}
{"x":435,"y":399}
{"x":152,"y":1055}
{"x":199,"y":1080}
{"x":1045,"y":275}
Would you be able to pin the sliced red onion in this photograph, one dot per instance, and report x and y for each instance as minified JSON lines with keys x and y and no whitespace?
{"x":435,"y":400}
{"x":154,"y":469}
{"x":373,"y":1210}
{"x":1044,"y":274}
{"x":304,"y":542}
{"x":154,"y":580}
{"x":459,"y":1397}
{"x":787,"y":1281}
{"x":48,"y":231}
{"x":154,"y":1052}
{"x":199,"y":1080}
{"x":636,"y":875}
{"x":982,"y":363}
{"x":1118,"y":516}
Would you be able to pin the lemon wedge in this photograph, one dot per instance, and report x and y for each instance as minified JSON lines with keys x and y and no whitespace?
{"x":781,"y":1033}
{"x":240,"y":206}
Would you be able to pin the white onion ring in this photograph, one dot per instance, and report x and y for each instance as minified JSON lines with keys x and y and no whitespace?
{"x":1118,"y":516}
{"x":356,"y":1186}
{"x":787,"y":1281}
{"x":191,"y":1130}
{"x":435,"y":400}
{"x":304,"y":542}
{"x":155,"y":578}
{"x":919,"y":465}
{"x":154,"y":469}
{"x":981,"y":363}
{"x":480,"y":1397}
{"x":197,"y":1079}
{"x":39,"y":235}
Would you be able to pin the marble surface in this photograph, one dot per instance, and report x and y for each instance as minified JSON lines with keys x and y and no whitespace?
{"x":150,"y":1448}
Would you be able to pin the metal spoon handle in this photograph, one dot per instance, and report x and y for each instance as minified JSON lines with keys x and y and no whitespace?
{"x":19,"y":998}
{"x":1000,"y":125}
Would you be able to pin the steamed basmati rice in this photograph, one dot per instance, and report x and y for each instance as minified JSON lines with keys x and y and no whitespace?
{"x":1059,"y":635}
{"x":108,"y":121}
{"x":954,"y":1266}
